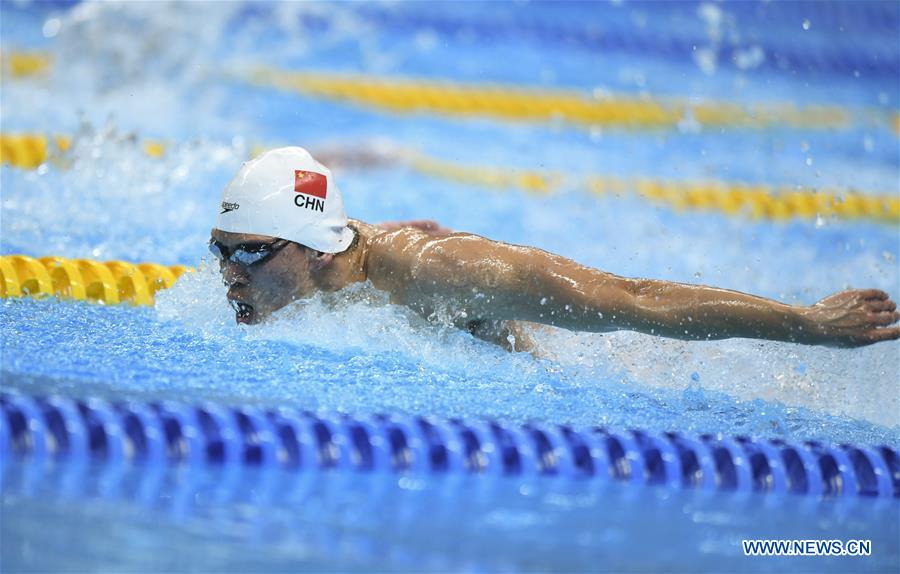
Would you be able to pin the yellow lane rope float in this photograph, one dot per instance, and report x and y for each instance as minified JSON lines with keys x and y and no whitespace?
{"x":23,"y":64}
{"x":538,"y":105}
{"x":28,"y":151}
{"x":514,"y":103}
{"x":109,"y":282}
{"x":756,"y":201}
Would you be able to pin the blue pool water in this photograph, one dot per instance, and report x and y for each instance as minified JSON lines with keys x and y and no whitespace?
{"x":125,"y":73}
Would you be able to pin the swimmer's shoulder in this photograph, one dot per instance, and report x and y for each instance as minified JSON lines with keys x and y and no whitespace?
{"x":394,"y":255}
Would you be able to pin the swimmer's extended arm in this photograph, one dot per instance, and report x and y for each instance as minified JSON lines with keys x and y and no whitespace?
{"x":492,"y":280}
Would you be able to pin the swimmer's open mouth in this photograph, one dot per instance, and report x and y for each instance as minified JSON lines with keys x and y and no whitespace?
{"x":243,"y":312}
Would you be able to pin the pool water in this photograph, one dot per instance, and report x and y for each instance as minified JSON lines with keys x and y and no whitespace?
{"x":123,"y":74}
{"x":347,"y":522}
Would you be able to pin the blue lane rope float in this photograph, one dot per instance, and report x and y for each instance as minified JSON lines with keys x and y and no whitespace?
{"x":525,"y":25}
{"x":875,"y":17}
{"x":160,"y":435}
{"x":842,"y":57}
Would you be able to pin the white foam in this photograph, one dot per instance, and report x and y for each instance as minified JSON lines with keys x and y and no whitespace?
{"x":862,"y":383}
{"x":357,"y":319}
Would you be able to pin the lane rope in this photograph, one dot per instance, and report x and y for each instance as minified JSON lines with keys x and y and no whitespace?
{"x":756,"y":201}
{"x":108,"y":282}
{"x":125,"y":435}
{"x":853,"y":53}
{"x":515,"y":103}
{"x":538,"y":105}
{"x":752,"y":200}
{"x":20,"y":64}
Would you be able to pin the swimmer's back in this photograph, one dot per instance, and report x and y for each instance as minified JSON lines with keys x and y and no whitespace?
{"x":481,"y":279}
{"x":427,"y":272}
{"x":396,"y":260}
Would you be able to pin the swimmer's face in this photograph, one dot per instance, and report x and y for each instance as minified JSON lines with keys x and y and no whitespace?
{"x":265,"y":276}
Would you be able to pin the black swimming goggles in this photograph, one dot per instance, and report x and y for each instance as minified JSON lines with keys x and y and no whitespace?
{"x":246,"y":254}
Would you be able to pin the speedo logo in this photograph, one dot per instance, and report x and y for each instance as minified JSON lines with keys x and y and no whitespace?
{"x":226,"y":207}
{"x":311,"y":189}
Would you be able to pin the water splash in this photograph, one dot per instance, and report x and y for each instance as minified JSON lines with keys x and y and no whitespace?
{"x":379,"y":355}
{"x":105,"y":198}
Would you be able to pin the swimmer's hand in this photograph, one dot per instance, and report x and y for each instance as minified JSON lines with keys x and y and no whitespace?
{"x":427,"y":225}
{"x":852,"y":318}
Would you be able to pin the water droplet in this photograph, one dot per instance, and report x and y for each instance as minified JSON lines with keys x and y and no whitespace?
{"x":543,"y":300}
{"x":51,"y":27}
{"x":695,"y":377}
{"x":806,"y":24}
{"x":868,"y":144}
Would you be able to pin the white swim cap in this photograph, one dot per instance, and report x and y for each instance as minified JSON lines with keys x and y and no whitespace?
{"x":286,"y":193}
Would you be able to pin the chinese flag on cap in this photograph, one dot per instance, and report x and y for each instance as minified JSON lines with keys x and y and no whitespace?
{"x":310,"y":183}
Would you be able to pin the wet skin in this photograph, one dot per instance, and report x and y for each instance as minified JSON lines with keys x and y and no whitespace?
{"x":490,"y":288}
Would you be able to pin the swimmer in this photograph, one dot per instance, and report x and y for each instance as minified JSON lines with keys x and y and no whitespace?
{"x":282,"y":235}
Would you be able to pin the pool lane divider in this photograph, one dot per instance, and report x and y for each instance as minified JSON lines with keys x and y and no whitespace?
{"x":126,"y":434}
{"x":109,"y":282}
{"x":28,"y":151}
{"x":512,"y":103}
{"x":24,"y":64}
{"x":539,"y":105}
{"x":533,"y":105}
{"x":731,"y":199}
{"x":852,"y":56}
